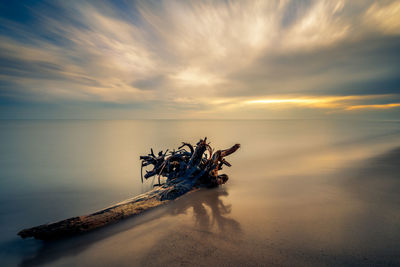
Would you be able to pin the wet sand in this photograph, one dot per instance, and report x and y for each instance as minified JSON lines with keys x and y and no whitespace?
{"x":303,"y":222}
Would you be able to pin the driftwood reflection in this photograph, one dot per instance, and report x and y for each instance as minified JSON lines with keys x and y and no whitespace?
{"x":211,"y":229}
{"x":209,"y":210}
{"x":200,"y":201}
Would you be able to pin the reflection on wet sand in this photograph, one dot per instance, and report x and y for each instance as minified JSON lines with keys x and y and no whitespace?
{"x":199,"y":201}
{"x":205,"y":237}
{"x":374,"y":187}
{"x":377,"y":179}
{"x":218,"y":214}
{"x":370,"y":231}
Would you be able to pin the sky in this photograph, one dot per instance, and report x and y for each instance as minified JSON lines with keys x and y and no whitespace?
{"x":196,"y":59}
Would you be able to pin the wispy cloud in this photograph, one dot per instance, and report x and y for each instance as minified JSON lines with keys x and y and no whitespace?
{"x":201,"y":57}
{"x":349,"y":102}
{"x":376,"y":106}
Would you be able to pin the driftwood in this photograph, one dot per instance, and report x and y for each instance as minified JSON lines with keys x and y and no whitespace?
{"x":186,"y":169}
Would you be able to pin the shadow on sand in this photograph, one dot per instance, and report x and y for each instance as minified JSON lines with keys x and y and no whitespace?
{"x":51,"y":251}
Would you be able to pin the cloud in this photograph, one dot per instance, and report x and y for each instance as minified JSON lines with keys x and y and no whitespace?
{"x":370,"y":66}
{"x":385,"y":17}
{"x":349,"y":102}
{"x":376,"y":106}
{"x":201,"y":57}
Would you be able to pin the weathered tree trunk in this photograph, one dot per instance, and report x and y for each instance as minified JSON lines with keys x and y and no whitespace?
{"x":185,"y":171}
{"x":98,"y":219}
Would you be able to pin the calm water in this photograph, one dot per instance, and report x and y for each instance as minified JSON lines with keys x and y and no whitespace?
{"x":301,"y":192}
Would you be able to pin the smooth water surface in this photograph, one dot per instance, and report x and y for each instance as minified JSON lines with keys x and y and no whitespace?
{"x":301,"y":192}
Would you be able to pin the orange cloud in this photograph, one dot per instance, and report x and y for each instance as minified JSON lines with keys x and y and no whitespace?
{"x":380,"y":106}
{"x":329,"y":102}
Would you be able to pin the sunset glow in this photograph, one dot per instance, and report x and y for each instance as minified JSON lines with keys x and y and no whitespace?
{"x":329,"y":102}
